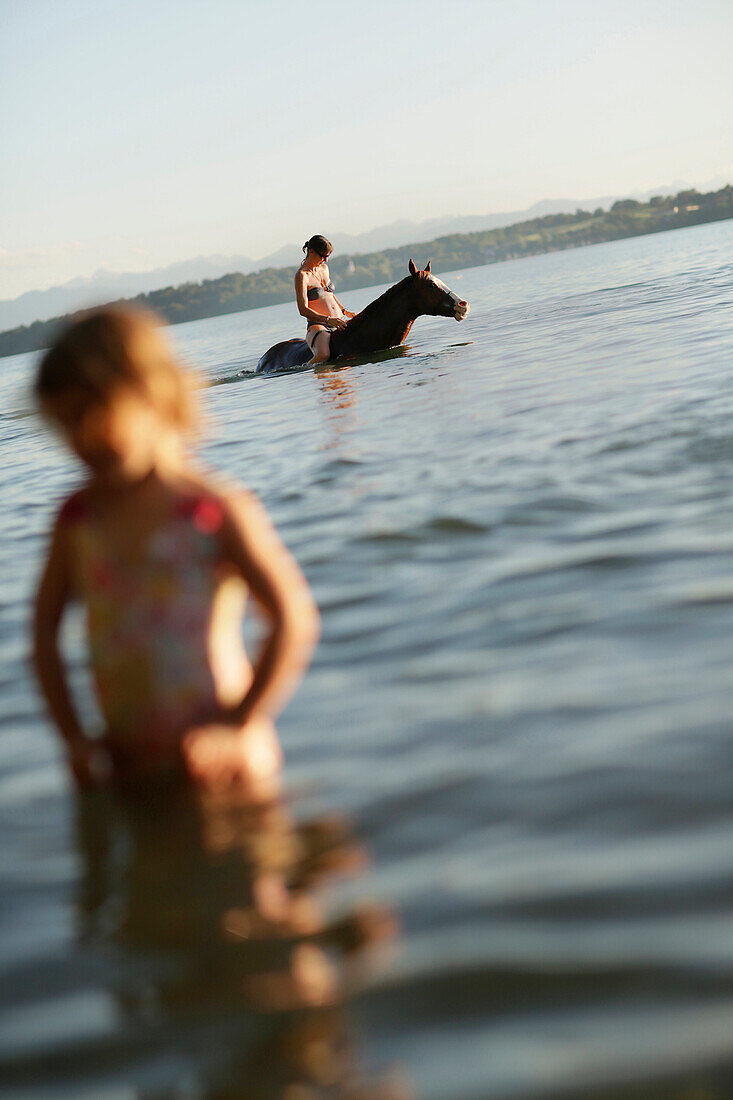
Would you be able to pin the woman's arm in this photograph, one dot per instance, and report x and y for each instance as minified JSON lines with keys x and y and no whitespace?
{"x":346,"y":312}
{"x":87,"y":759}
{"x":311,"y":315}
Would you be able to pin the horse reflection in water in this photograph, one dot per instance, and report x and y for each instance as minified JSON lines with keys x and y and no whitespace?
{"x":226,"y":972}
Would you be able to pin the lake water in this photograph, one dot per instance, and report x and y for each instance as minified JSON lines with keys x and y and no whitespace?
{"x":520,"y":535}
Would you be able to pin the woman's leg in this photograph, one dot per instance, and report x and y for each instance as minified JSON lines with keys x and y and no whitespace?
{"x":320,"y":345}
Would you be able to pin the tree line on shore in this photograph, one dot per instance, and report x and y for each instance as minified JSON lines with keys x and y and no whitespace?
{"x":236,"y":292}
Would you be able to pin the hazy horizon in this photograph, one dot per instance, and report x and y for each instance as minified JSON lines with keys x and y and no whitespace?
{"x":670,"y":188}
{"x":149,"y":135}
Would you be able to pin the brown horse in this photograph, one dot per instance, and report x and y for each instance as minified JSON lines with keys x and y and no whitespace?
{"x":384,"y":323}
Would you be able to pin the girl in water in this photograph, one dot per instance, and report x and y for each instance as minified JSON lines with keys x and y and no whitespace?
{"x":317,"y":301}
{"x":161,"y":556}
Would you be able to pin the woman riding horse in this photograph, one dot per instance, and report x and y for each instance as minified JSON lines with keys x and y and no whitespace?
{"x":317,"y":302}
{"x":384,"y":323}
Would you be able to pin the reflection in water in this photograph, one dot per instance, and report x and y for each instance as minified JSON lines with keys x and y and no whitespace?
{"x":339,"y":390}
{"x":227,"y":973}
{"x":339,"y":394}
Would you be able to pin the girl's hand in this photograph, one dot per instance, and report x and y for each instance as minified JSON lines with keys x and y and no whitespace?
{"x":337,"y":322}
{"x":90,"y":763}
{"x":220,"y":755}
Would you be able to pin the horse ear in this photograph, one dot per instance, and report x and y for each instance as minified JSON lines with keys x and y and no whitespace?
{"x":428,"y":267}
{"x":413,"y":269}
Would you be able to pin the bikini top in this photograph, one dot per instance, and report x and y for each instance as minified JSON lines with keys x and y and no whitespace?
{"x":318,"y":291}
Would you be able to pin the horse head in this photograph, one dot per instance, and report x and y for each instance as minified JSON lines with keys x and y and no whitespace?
{"x":436,"y":299}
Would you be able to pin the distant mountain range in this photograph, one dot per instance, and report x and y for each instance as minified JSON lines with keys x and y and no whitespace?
{"x":452,"y":252}
{"x":106,"y":286}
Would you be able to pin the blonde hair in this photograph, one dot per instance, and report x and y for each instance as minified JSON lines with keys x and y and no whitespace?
{"x":106,"y":352}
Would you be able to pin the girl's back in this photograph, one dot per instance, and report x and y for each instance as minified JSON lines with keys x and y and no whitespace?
{"x":161,"y":559}
{"x":163,"y":608}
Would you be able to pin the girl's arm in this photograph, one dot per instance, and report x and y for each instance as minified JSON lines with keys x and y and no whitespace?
{"x":280,"y":589}
{"x":86,"y":758}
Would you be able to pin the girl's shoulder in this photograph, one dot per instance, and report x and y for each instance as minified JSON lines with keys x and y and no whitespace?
{"x":75,"y":508}
{"x":220,"y":505}
{"x":233,"y":514}
{"x":206,"y":501}
{"x":204,"y":510}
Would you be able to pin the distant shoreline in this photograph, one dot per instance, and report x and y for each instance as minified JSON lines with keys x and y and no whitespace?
{"x":236,"y":293}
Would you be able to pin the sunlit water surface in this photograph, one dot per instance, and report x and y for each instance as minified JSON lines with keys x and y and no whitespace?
{"x":519,"y":531}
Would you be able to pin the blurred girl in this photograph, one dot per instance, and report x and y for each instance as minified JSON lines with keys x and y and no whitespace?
{"x":161,"y":557}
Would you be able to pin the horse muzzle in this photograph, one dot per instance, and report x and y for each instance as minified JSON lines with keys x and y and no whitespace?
{"x":461,"y":310}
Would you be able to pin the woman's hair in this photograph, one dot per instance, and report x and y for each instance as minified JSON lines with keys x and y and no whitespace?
{"x":109,"y":351}
{"x":319,"y":244}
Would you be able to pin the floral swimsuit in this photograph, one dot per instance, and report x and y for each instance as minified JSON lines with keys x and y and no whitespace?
{"x":158,"y":626}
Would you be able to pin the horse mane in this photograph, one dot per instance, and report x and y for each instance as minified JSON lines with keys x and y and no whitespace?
{"x":377,"y":308}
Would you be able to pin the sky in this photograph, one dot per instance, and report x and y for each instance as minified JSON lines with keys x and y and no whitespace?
{"x":138,"y":134}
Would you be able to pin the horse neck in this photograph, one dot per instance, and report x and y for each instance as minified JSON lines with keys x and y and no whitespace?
{"x":384,"y":323}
